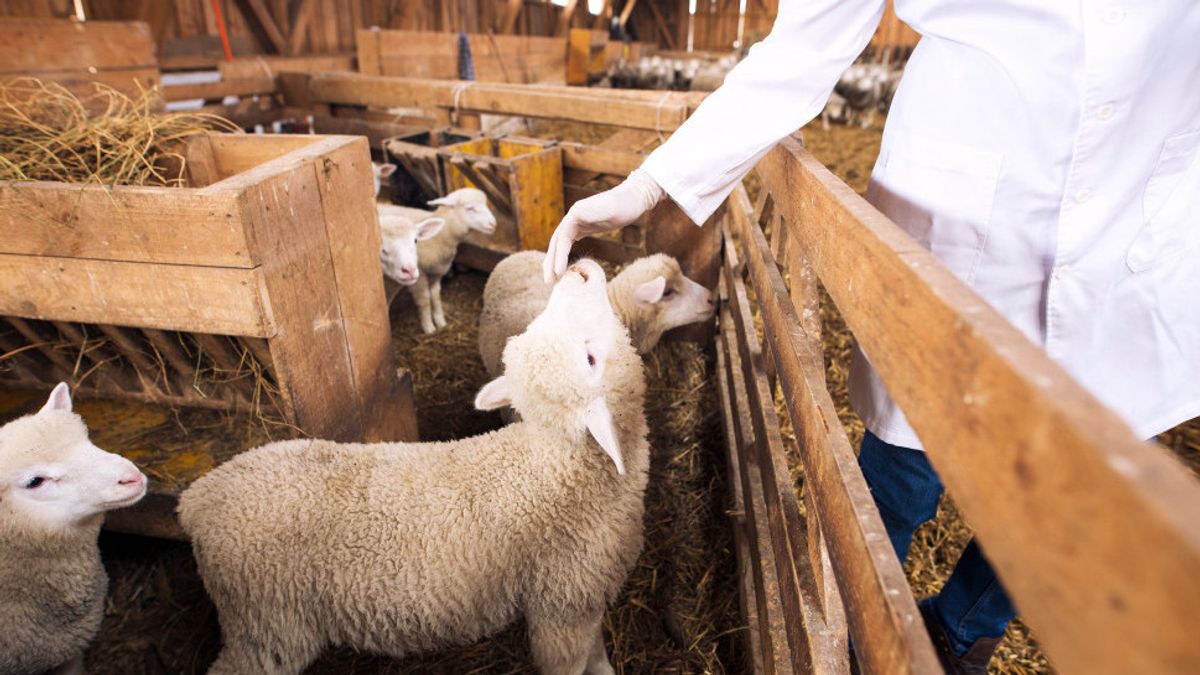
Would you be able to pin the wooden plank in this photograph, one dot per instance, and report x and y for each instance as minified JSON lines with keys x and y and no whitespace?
{"x":886,"y":627}
{"x":39,"y":46}
{"x":248,"y":86}
{"x":813,"y":645}
{"x":698,"y":249}
{"x":269,"y":66}
{"x":1029,"y":454}
{"x":509,"y":23}
{"x":772,"y":628}
{"x":129,"y":223}
{"x":352,"y":228}
{"x":583,"y":105}
{"x":367,"y":45}
{"x":599,"y":159}
{"x":564,"y":18}
{"x":300,"y":26}
{"x":537,"y":193}
{"x":626,"y":11}
{"x":267,"y":22}
{"x":257,"y":155}
{"x":171,"y":297}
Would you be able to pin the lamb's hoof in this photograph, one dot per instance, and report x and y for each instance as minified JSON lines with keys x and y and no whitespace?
{"x":440,"y":322}
{"x":428,"y":329}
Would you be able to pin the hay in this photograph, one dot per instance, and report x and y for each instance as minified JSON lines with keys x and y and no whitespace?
{"x":107,"y":138}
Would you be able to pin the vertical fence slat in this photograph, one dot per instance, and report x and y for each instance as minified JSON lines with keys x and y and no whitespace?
{"x":882,"y":615}
{"x":814,"y":646}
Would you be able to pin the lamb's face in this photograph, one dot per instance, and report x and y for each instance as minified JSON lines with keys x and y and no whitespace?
{"x":381,"y":173}
{"x":470,"y":207}
{"x":670,"y":298}
{"x":557,"y":372}
{"x":399,"y":252}
{"x":52,"y":476}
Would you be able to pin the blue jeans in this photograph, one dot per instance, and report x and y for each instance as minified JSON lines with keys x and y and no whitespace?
{"x":972,"y":604}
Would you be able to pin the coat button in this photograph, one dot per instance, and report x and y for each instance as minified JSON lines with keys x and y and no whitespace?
{"x":1114,"y":15}
{"x":1105,"y":112}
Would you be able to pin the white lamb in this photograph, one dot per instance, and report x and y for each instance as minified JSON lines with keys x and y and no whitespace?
{"x":400,"y":235}
{"x":402,"y":548}
{"x":464,"y":210}
{"x":381,"y":173}
{"x":54,"y":489}
{"x":650,"y":296}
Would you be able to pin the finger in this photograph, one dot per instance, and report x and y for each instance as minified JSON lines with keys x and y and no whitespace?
{"x":562,"y":251}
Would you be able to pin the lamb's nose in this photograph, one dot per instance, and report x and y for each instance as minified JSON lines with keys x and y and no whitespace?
{"x":132,"y":479}
{"x":408,"y":271}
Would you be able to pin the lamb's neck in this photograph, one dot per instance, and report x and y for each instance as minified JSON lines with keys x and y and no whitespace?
{"x":642,"y":333}
{"x":78,"y":541}
{"x":455,"y":230}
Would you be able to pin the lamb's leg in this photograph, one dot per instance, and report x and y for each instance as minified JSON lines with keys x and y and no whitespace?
{"x":435,"y":292}
{"x":239,"y":656}
{"x":420,"y":294}
{"x":564,"y":647}
{"x":598,"y":663}
{"x":72,"y":667}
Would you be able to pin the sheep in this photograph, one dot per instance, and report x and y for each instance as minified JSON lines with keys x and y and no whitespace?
{"x":400,"y":235}
{"x":464,"y":210}
{"x":651,"y":296}
{"x":54,"y":489}
{"x":401,"y":548}
{"x":381,"y":173}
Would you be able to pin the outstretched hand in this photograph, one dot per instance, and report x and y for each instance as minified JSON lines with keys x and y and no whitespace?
{"x":608,"y":210}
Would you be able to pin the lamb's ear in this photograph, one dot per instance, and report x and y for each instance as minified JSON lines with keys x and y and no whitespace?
{"x":449,"y":200}
{"x":600,"y":425}
{"x":429,"y":228}
{"x":651,"y":291}
{"x":60,"y":399}
{"x":386,"y":170}
{"x":495,"y":394}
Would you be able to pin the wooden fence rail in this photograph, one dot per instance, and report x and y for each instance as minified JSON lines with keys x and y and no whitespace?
{"x":1095,"y":533}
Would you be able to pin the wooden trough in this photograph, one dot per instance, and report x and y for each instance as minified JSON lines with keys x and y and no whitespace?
{"x":269,"y":264}
{"x":419,"y":177}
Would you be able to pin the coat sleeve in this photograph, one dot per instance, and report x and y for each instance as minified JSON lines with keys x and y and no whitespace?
{"x":780,"y":86}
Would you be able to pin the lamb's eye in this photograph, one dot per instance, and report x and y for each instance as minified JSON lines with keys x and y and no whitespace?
{"x":35,"y":482}
{"x":668,"y":292}
{"x":591,"y":360}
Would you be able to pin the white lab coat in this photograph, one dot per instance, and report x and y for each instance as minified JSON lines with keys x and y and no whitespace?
{"x":1046,"y":151}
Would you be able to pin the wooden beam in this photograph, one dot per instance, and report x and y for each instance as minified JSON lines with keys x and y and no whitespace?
{"x":564,"y":18}
{"x":509,"y":24}
{"x":661,"y":25}
{"x":626,"y":11}
{"x":663,"y":112}
{"x":600,"y":23}
{"x":300,"y":24}
{"x":260,"y":11}
{"x":248,"y":86}
{"x":1082,"y":520}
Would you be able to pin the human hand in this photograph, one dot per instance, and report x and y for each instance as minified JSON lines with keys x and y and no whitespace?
{"x":608,"y":210}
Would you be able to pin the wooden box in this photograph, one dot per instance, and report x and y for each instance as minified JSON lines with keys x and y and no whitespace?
{"x":523,"y":179}
{"x":272,"y":255}
{"x":418,"y":177}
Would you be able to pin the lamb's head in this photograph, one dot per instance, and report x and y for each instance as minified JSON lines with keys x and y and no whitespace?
{"x":573,"y":371}
{"x":381,"y":173}
{"x":655,"y":296}
{"x":53,"y":478}
{"x":400,"y":237}
{"x":467,"y":206}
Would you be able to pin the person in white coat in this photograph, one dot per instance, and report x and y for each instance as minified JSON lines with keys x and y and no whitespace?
{"x":1046,"y":151}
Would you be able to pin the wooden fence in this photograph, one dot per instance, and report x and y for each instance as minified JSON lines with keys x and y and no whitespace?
{"x":1094,"y":532}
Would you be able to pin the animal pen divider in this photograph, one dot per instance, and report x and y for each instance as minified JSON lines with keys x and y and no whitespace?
{"x":1092,"y":530}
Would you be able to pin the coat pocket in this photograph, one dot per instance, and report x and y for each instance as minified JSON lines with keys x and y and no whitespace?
{"x":941,"y":193}
{"x":1170,"y":224}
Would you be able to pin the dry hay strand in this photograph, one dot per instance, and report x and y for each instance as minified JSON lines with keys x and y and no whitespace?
{"x":48,"y":133}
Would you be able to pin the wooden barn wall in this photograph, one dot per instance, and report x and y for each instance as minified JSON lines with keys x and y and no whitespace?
{"x":186,"y":30}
